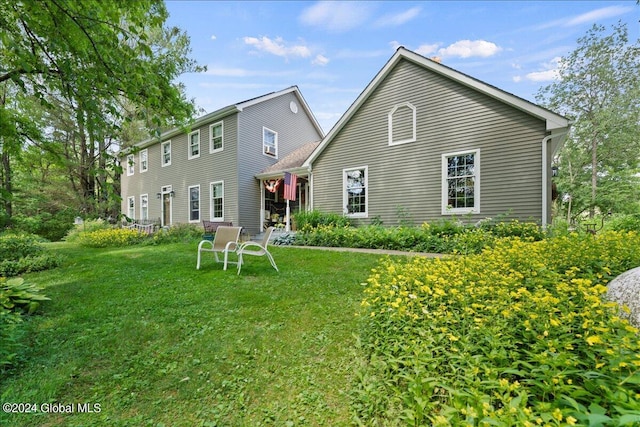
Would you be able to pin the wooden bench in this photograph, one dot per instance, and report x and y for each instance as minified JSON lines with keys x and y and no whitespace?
{"x":210,"y":228}
{"x":142,"y":228}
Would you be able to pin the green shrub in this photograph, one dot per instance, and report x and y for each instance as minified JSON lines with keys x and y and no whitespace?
{"x":177,"y":234}
{"x":629,"y":222}
{"x":516,"y":335}
{"x":17,"y":298}
{"x":17,"y":246}
{"x":23,"y":253}
{"x":111,"y":237}
{"x":314,"y":219}
{"x":73,"y":235}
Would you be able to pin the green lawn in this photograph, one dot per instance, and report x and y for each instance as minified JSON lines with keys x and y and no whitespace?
{"x":156,"y":342}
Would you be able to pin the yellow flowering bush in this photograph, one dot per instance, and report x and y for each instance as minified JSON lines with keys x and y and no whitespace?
{"x":516,"y":335}
{"x":110,"y":237}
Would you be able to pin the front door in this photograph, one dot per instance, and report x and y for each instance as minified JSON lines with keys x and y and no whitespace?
{"x":167,"y":199}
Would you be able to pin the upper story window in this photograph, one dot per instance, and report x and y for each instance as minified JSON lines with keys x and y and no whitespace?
{"x":461,"y":182}
{"x":144,"y":206}
{"x":269,"y":142}
{"x":144,"y":160}
{"x":217,"y":201}
{"x":216,"y":138}
{"x":131,"y":165}
{"x":131,"y":207}
{"x":354,"y":197}
{"x":166,"y":153}
{"x":194,"y":144}
{"x":194,"y":203}
{"x":402,"y":124}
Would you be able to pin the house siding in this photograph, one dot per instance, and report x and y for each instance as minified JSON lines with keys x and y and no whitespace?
{"x":184,"y":172}
{"x":294,"y":130}
{"x":450,"y":118}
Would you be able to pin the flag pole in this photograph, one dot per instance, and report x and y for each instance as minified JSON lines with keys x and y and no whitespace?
{"x":287,"y":227}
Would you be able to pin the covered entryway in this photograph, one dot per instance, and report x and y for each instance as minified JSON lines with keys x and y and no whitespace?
{"x":272,"y":184}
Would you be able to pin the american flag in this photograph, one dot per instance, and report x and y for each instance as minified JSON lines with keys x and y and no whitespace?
{"x":290,"y":181}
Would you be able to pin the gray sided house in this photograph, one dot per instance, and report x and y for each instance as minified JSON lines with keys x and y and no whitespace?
{"x":430,"y":142}
{"x":209,"y":173}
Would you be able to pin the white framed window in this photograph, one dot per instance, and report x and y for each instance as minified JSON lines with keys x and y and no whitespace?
{"x":131,"y":164}
{"x":144,"y":160}
{"x":131,"y":207}
{"x":194,"y":203}
{"x":166,"y":153}
{"x":194,"y":144}
{"x":355,"y":194}
{"x":461,"y":182}
{"x":216,"y":137}
{"x":217,"y":201}
{"x":144,"y":206}
{"x":269,"y":142}
{"x":402,"y":124}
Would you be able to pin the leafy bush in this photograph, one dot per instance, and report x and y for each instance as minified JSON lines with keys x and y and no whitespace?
{"x":51,"y":226}
{"x":629,"y":222}
{"x":111,"y":237}
{"x":314,"y":219}
{"x":23,"y":253}
{"x":73,"y":235}
{"x":17,"y":297}
{"x":516,"y":335}
{"x":176,"y":234}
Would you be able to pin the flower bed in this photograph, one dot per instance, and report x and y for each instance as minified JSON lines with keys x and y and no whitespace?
{"x":516,"y":335}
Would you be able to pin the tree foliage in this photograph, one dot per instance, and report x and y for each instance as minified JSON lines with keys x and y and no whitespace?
{"x":598,"y":88}
{"x":94,"y":69}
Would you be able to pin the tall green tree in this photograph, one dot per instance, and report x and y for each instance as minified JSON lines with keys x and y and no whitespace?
{"x":93,"y":57}
{"x":599,"y":89}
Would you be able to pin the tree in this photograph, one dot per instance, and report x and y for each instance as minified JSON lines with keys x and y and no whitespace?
{"x":89,"y":59}
{"x":598,"y":88}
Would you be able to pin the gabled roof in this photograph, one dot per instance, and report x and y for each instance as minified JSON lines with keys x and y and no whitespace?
{"x":232,"y":109}
{"x":554,"y":122}
{"x":292,"y":162}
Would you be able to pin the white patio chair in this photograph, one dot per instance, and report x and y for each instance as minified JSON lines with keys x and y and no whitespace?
{"x":224,"y":241}
{"x":257,"y":249}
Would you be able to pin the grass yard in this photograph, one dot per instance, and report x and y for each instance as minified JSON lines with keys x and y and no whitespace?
{"x":153,"y":341}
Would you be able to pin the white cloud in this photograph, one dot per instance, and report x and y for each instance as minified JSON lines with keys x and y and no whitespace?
{"x":213,"y":37}
{"x":336,"y":16}
{"x":469,"y":48}
{"x":427,"y":49}
{"x":397,"y":19}
{"x":278,"y":47}
{"x":320,"y":60}
{"x":549,"y":73}
{"x":598,"y":14}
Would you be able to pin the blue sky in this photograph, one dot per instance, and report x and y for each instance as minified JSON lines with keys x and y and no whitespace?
{"x":332,"y":50}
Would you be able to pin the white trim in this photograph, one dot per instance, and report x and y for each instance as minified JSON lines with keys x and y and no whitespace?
{"x":189,"y":210}
{"x":265,"y":148}
{"x":162,"y":153}
{"x":553,"y":121}
{"x":190,"y":154}
{"x":211,"y":126}
{"x":131,"y":164}
{"x":211,"y":217}
{"x":390,"y":120}
{"x":345,"y":197}
{"x":129,"y":207}
{"x":142,"y":203}
{"x":446,"y":209}
{"x":144,"y":164}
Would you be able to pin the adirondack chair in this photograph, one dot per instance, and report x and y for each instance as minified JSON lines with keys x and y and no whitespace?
{"x":256,"y":249}
{"x":224,"y":242}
